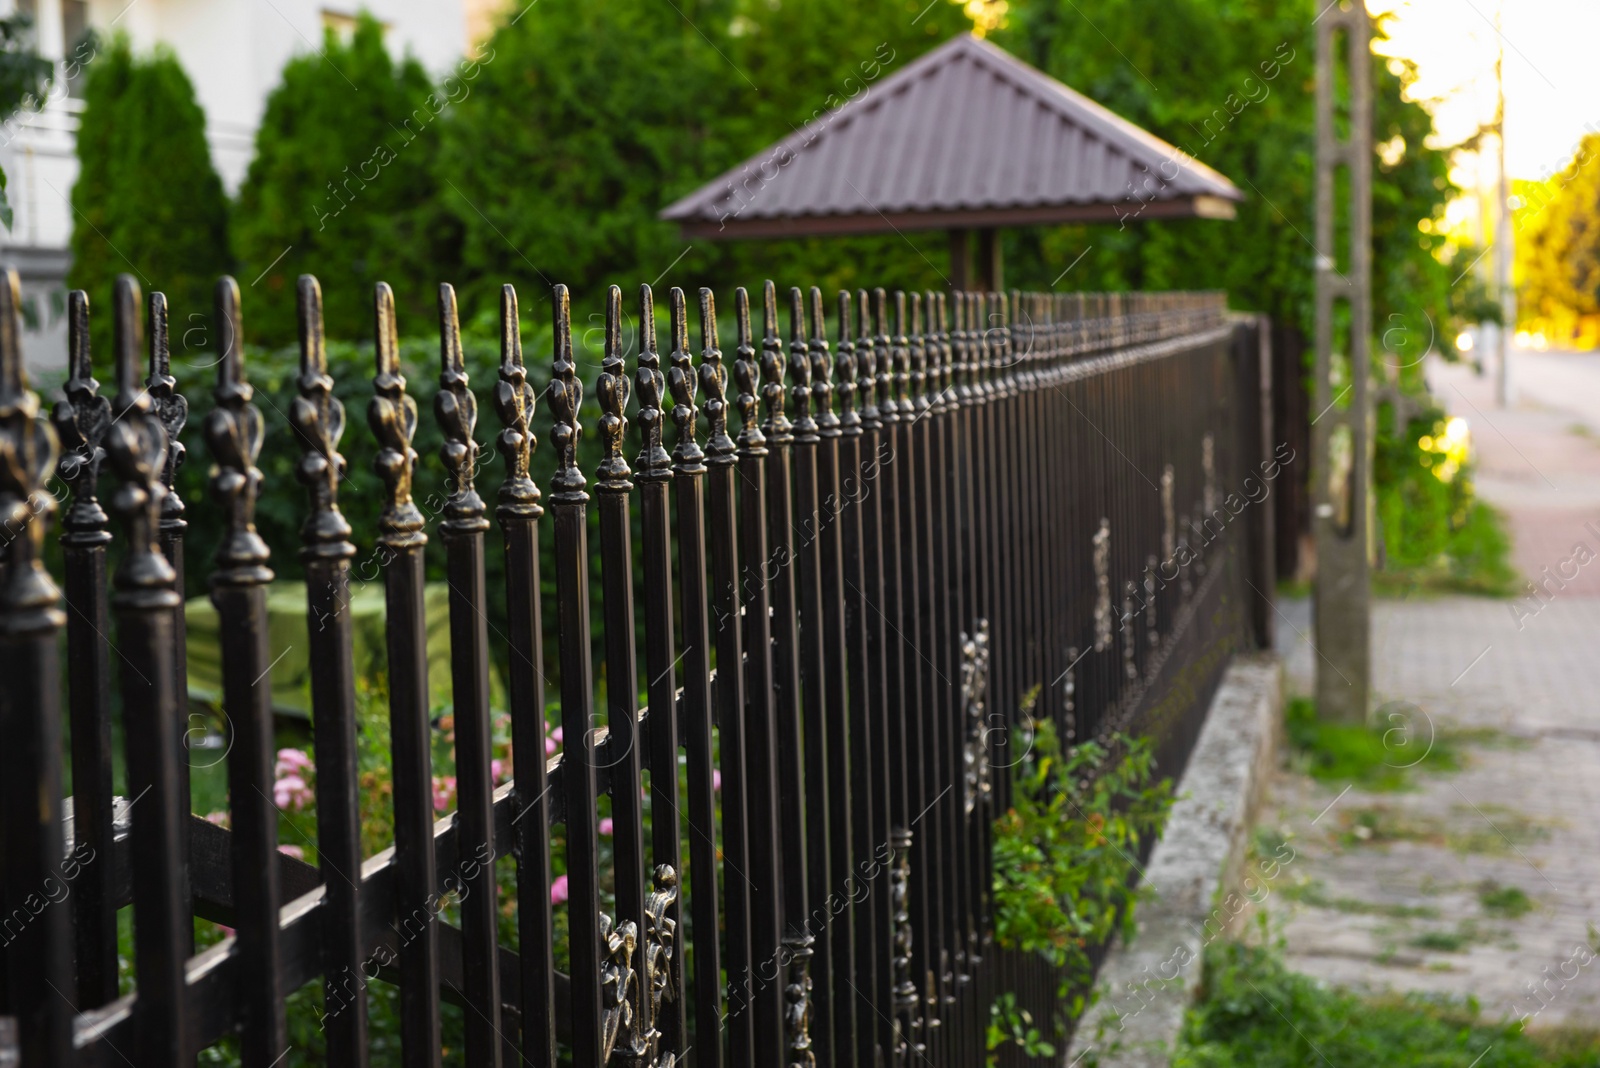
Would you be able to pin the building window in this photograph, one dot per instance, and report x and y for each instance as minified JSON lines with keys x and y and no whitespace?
{"x":74,"y":39}
{"x":343,"y":24}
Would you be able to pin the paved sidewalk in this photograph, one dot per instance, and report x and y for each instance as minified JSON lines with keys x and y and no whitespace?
{"x":1417,"y":890}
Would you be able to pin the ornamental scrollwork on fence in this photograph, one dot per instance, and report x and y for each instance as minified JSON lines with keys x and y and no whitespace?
{"x":1102,"y":587}
{"x":1208,"y":464}
{"x":905,"y":988}
{"x":1152,"y":635}
{"x":1130,"y":648}
{"x":81,"y":422}
{"x":1169,"y":515}
{"x":797,"y":1001}
{"x":654,"y":980}
{"x":974,"y":691}
{"x":618,"y":982}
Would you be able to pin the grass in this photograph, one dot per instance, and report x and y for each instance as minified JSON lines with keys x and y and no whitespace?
{"x":1507,"y":901}
{"x":1491,"y":830}
{"x":1312,"y":893}
{"x":1377,"y":757}
{"x":1443,"y":941}
{"x":1254,"y":1012}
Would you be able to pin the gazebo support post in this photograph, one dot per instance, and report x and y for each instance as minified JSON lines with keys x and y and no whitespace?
{"x":960,"y":260}
{"x":991,"y":272}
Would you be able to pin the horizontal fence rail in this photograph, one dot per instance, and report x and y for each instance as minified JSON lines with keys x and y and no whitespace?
{"x":834,"y":570}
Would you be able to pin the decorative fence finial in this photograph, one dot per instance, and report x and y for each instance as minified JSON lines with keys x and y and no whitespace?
{"x":233,"y":430}
{"x":901,"y":354}
{"x":747,"y":375}
{"x":318,"y":417}
{"x":714,"y":380}
{"x":514,"y":401}
{"x":917,"y":354}
{"x":866,"y":362}
{"x":81,"y":422}
{"x":778,"y":427}
{"x":392,"y":414}
{"x":821,"y":365}
{"x":687,"y":455}
{"x":457,"y":411}
{"x":805,"y":427}
{"x":845,"y":380}
{"x":137,"y":446}
{"x":28,"y":449}
{"x":612,"y":390}
{"x":566,"y":395}
{"x":654,"y":462}
{"x":171,"y":409}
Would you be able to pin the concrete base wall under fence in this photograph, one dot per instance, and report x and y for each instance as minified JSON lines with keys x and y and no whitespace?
{"x":1198,"y":888}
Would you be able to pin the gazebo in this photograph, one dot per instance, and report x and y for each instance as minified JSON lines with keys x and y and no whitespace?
{"x":967,"y":138}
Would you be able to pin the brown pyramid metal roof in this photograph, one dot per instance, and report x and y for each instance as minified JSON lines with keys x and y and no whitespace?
{"x":965,"y":136}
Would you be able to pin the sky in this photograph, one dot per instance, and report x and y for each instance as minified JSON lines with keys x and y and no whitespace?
{"x":1552,"y":71}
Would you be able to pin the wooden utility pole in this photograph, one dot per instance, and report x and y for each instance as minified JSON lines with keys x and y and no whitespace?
{"x":1341,"y":442}
{"x":1505,"y":388}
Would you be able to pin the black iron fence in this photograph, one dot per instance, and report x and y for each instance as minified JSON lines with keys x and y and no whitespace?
{"x":861,"y":559}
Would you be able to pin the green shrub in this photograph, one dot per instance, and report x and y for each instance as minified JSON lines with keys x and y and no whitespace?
{"x":147,"y":201}
{"x":1064,"y":859}
{"x":1435,"y":533}
{"x":343,"y":161}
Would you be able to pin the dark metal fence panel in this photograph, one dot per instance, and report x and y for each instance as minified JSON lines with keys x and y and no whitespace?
{"x":964,"y":515}
{"x":82,"y":420}
{"x":318,"y":419}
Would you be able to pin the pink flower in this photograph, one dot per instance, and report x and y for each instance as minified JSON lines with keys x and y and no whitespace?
{"x":292,"y":851}
{"x":716,"y":779}
{"x":550,"y":746}
{"x":293,"y":762}
{"x":556,"y":734}
{"x":606,"y":826}
{"x":218,"y":818}
{"x":558,"y":890}
{"x":496,"y":770}
{"x":444,"y":791}
{"x":291,"y":792}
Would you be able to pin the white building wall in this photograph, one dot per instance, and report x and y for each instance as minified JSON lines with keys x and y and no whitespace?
{"x":233,"y":51}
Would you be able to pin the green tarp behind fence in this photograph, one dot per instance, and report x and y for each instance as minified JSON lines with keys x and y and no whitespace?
{"x":290,"y":654}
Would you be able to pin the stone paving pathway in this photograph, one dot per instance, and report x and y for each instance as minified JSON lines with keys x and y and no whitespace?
{"x":1415,"y":891}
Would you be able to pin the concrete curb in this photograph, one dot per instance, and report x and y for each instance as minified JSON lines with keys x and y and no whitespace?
{"x":1198,"y":888}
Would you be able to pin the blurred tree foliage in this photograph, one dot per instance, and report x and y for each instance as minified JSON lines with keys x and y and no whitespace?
{"x":344,"y":161}
{"x":147,"y":201}
{"x":556,"y":166}
{"x":1558,"y":245}
{"x":1231,"y":82}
